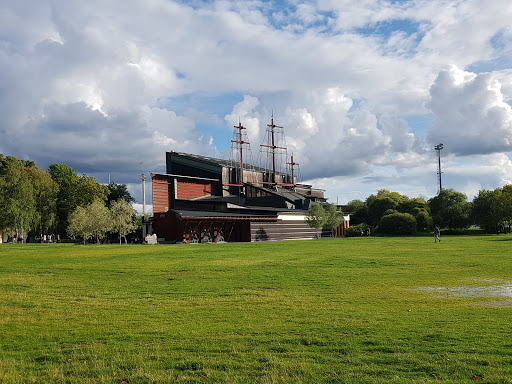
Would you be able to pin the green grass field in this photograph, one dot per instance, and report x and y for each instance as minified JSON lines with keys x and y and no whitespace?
{"x":353,"y":310}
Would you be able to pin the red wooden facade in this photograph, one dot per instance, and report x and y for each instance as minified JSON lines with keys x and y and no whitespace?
{"x":161,"y":193}
{"x":167,"y":188}
{"x":190,"y":190}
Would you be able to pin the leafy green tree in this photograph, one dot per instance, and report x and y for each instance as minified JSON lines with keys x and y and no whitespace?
{"x":6,"y":162}
{"x":101,"y":216}
{"x":90,"y":190}
{"x":119,"y":192}
{"x":80,"y":224}
{"x":423,"y":219}
{"x":122,"y":218}
{"x":378,"y":206}
{"x":74,"y":191}
{"x":17,"y":204}
{"x":486,"y":211}
{"x":358,"y":210}
{"x":450,"y":209}
{"x":89,"y":221}
{"x":315,"y":217}
{"x":333,"y":217}
{"x":67,"y":197}
{"x":45,"y":199}
{"x":386,"y":202}
{"x":507,"y":204}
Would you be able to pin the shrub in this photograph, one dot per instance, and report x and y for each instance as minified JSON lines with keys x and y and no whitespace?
{"x":398,"y":224}
{"x":423,"y":220}
{"x":355,"y":230}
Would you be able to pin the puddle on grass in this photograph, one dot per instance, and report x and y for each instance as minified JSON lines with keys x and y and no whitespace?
{"x":485,"y":291}
{"x":499,"y":290}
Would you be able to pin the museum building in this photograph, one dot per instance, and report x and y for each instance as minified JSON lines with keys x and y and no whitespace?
{"x":202,"y":199}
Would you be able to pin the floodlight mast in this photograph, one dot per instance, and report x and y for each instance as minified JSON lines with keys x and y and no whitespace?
{"x":438,"y":148}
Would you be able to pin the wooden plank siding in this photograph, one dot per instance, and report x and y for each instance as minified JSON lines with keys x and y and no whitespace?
{"x":167,"y":188}
{"x":282,"y":230}
{"x":161,"y":195}
{"x":190,"y":190}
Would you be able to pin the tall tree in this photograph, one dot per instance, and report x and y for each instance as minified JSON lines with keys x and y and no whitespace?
{"x":333,"y":217}
{"x":378,"y":206}
{"x":484,"y":212}
{"x":45,"y":199}
{"x":118,"y":192}
{"x":358,"y":210}
{"x":122,"y":218}
{"x":450,"y":209}
{"x":506,"y":198}
{"x":101,"y":216}
{"x":67,"y":179}
{"x":89,"y":221}
{"x":90,"y":190}
{"x":17,"y":204}
{"x":75,"y":191}
{"x":315,"y":217}
{"x":80,"y":224}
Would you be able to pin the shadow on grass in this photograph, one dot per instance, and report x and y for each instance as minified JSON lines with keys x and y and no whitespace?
{"x":507,"y":238}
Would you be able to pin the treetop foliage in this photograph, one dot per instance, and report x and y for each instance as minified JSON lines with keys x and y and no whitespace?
{"x":493,"y":209}
{"x":450,"y":209}
{"x":119,"y":192}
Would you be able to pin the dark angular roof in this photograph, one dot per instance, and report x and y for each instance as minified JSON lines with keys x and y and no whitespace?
{"x":212,"y":160}
{"x":219,"y":162}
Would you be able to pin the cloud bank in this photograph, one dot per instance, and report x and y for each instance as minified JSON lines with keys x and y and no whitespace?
{"x":363,"y":89}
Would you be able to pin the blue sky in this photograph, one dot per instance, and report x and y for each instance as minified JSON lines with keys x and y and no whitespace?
{"x":364,"y":89}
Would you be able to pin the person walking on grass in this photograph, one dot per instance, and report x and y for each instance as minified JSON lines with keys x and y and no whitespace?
{"x":437,"y":233}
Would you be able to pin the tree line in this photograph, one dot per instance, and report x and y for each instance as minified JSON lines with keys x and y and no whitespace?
{"x":36,"y":202}
{"x":392,"y":213}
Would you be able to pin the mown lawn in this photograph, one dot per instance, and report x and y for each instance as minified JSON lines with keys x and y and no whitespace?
{"x":354,"y":310}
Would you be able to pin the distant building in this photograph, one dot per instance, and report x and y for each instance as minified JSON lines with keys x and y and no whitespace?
{"x":202,"y":199}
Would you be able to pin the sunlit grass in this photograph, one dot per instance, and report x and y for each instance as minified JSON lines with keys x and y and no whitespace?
{"x":354,"y":310}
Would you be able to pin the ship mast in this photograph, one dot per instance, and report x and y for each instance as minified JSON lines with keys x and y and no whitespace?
{"x":273,"y":147}
{"x":239,"y":142}
{"x":292,"y":164}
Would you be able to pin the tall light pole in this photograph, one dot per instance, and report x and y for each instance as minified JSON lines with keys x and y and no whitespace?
{"x":438,"y":149}
{"x":143,"y":179}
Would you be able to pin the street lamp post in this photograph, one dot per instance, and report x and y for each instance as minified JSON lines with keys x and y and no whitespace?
{"x":438,"y":148}
{"x":143,"y":179}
